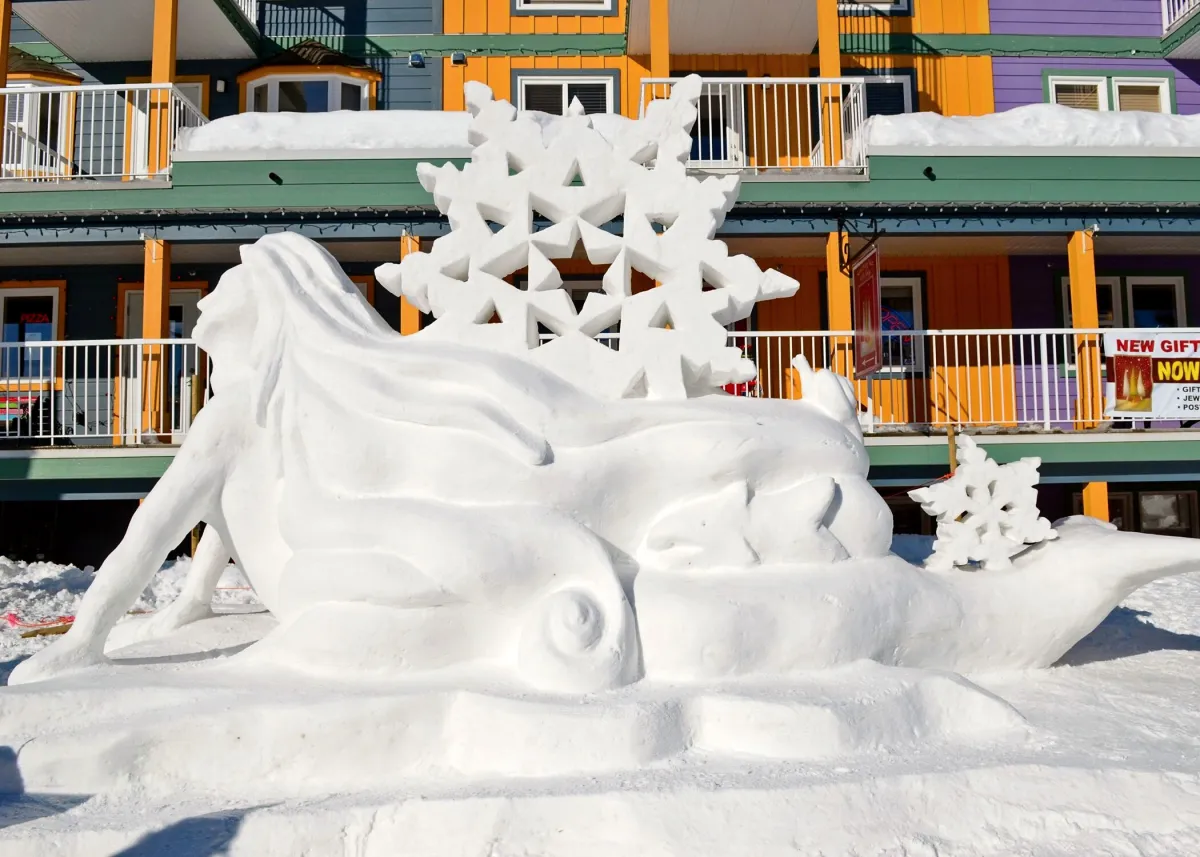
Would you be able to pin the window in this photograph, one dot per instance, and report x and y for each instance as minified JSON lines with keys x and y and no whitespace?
{"x":1150,"y":96}
{"x":1120,"y":509}
{"x":296,"y":94}
{"x":1082,"y":93}
{"x":27,"y":316}
{"x":901,"y":311}
{"x":1167,"y":513}
{"x":867,"y":6}
{"x":1108,"y":301}
{"x":1155,"y":301}
{"x":554,"y":95}
{"x":559,"y":6}
{"x":889,"y":96}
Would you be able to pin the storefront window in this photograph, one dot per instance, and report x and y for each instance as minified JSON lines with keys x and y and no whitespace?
{"x":27,"y":319}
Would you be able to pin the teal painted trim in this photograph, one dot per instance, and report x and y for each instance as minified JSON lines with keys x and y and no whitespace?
{"x":474,"y":45}
{"x":248,"y":30}
{"x":44,"y":51}
{"x":85,"y":466}
{"x":981,"y":44}
{"x":1111,"y":78}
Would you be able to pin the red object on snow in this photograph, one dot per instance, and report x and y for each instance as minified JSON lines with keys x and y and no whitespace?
{"x":15,"y":622}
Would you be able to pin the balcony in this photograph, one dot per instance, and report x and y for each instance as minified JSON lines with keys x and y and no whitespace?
{"x":146,"y":392}
{"x":776,"y":128}
{"x":123,"y":30}
{"x":118,"y":136}
{"x":1176,"y":11}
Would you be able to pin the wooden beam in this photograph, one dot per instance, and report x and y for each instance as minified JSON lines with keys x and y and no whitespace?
{"x":5,"y":40}
{"x":410,"y":316}
{"x":838,"y":300}
{"x":829,"y":56}
{"x":660,"y":38}
{"x":1095,"y":500}
{"x":1085,"y":314}
{"x":156,"y":304}
{"x":162,"y":70}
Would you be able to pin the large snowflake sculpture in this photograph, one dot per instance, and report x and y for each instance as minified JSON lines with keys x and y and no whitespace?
{"x":673,"y":342}
{"x":986,"y":513}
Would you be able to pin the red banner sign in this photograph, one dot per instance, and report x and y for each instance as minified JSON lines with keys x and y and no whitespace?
{"x":868,"y":315}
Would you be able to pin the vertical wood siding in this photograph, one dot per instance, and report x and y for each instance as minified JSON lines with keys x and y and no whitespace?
{"x":953,"y":86}
{"x":928,"y":16}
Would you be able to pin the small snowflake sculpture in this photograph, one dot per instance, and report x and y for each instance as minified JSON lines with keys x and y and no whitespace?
{"x":987,"y":513}
{"x":673,"y":342}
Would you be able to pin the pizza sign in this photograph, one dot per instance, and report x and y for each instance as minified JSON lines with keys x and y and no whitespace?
{"x":1153,"y":376}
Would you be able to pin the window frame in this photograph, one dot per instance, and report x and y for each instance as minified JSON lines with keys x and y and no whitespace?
{"x":56,"y":291}
{"x":541,"y":77}
{"x":1101,"y":83}
{"x":64,"y":146}
{"x":907,"y":78}
{"x":1118,"y":291}
{"x":1151,"y":280}
{"x":333,"y":81}
{"x":1164,"y":91}
{"x":569,"y":8}
{"x":917,"y":285}
{"x":875,"y":7}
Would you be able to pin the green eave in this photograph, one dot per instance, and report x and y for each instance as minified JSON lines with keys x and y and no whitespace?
{"x":995,"y":45}
{"x":999,"y":179}
{"x":243,"y":186}
{"x":391,"y":184}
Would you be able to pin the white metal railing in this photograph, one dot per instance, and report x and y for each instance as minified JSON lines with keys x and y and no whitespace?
{"x":249,"y":9}
{"x":1175,"y":11}
{"x":1045,"y":380}
{"x":774,"y":126}
{"x":136,"y":391}
{"x":131,"y":391}
{"x":93,"y":133}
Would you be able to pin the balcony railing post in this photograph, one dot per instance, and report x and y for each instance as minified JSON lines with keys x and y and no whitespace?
{"x":1044,"y":343}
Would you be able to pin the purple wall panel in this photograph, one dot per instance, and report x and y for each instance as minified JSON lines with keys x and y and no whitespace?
{"x":1018,"y":80}
{"x":1077,"y":17}
{"x":1034,"y":281}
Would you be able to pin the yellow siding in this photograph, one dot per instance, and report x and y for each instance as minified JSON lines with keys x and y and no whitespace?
{"x":954,"y":86}
{"x":929,"y":16}
{"x":495,"y":17}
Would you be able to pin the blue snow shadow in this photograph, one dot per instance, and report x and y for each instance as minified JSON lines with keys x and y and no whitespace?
{"x":200,"y":836}
{"x":1125,"y":633}
{"x":18,"y":806}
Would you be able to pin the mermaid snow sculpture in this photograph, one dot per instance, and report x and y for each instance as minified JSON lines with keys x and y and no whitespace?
{"x":435,"y":505}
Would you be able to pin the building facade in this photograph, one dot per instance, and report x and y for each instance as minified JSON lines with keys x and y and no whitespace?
{"x":1002,"y":265}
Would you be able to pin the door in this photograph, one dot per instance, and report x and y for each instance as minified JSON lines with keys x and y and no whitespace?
{"x":720,"y":129}
{"x":181,"y":369}
{"x":137,"y":147}
{"x":36,"y":138}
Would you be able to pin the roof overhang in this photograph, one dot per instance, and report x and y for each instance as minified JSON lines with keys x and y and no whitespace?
{"x":123,"y":30}
{"x":729,"y":26}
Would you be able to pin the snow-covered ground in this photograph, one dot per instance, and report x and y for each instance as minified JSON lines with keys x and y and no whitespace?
{"x":1109,"y":765}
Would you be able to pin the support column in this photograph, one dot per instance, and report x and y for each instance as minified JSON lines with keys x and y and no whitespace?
{"x":839,"y":301}
{"x":156,"y":303}
{"x":1085,"y":315}
{"x":829,"y":56}
{"x":410,"y":316}
{"x":1095,"y":500}
{"x":660,"y":38}
{"x":5,"y":39}
{"x":162,"y":70}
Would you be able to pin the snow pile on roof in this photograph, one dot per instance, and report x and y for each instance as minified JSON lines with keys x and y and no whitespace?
{"x":378,"y":130}
{"x":1040,"y":125}
{"x":342,"y":129}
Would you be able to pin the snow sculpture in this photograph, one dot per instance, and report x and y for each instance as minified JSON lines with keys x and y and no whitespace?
{"x":413,"y":507}
{"x":986,"y":513}
{"x":673,"y":341}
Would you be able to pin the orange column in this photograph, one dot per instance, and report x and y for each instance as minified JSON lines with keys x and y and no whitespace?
{"x":1085,"y":315}
{"x":156,"y":302}
{"x":829,"y":55}
{"x":660,"y":38}
{"x":5,"y":38}
{"x":838,"y":300}
{"x":162,"y":70}
{"x":410,"y":316}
